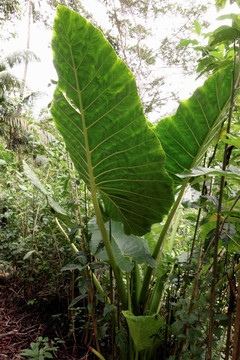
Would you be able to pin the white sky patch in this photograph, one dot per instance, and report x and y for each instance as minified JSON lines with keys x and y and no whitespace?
{"x":40,"y":74}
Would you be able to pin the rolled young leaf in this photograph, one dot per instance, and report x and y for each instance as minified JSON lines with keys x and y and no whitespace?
{"x":99,"y":114}
{"x":144,"y":330}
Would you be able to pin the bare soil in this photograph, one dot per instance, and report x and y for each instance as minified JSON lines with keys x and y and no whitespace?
{"x":21,"y":324}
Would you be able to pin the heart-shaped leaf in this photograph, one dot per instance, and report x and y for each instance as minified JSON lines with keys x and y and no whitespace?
{"x":97,"y":109}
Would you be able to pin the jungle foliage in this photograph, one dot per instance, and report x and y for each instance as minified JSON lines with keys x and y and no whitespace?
{"x":135,"y":226}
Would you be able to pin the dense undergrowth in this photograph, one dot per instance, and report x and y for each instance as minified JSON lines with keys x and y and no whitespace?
{"x":45,"y":272}
{"x":169,"y":293}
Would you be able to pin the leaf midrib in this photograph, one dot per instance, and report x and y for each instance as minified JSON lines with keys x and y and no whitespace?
{"x":84,"y":127}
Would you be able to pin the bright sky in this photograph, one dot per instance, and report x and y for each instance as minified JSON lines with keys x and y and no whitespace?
{"x":39,"y":74}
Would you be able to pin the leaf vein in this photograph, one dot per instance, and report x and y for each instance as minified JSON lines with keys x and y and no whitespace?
{"x":205,"y":117}
{"x":110,"y":110}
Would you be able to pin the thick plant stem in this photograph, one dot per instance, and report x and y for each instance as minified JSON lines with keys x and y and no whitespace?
{"x":72,"y":313}
{"x":157,"y":295}
{"x":91,"y":300}
{"x":160,"y":243}
{"x":75,"y":250}
{"x":236,"y":341}
{"x":113,"y":321}
{"x":152,"y":293}
{"x":93,"y":189}
{"x":79,"y":217}
{"x":231,"y":303}
{"x":112,"y":259}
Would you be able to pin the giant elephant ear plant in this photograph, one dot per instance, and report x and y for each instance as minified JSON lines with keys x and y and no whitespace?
{"x":97,"y":109}
{"x":117,"y":153}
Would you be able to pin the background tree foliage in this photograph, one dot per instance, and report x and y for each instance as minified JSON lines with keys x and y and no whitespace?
{"x":9,"y":9}
{"x":137,"y":38}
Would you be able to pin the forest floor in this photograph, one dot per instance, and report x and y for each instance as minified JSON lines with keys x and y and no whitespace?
{"x":21,"y":324}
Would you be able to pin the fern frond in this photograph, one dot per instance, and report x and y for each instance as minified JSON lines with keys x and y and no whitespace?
{"x":20,"y":56}
{"x":8,"y":81}
{"x":44,"y":136}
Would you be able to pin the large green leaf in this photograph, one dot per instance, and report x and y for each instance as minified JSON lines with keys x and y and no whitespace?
{"x":186,"y":136}
{"x":98,"y":111}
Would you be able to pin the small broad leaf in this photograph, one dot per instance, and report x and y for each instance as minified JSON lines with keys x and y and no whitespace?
{"x":197,"y":27}
{"x":232,"y":140}
{"x":97,"y":248}
{"x":27,"y":352}
{"x":177,"y":326}
{"x":73,"y":232}
{"x":2,"y":162}
{"x":28,"y":254}
{"x":124,"y":246}
{"x":81,"y":257}
{"x":132,"y":246}
{"x":107,"y":312}
{"x":187,"y":42}
{"x":72,"y":267}
{"x":220,"y":4}
{"x":196,"y":351}
{"x":224,"y":33}
{"x":208,"y":226}
{"x":234,"y":17}
{"x":77,"y":299}
{"x":47,"y":355}
{"x":121,"y":342}
{"x":143,"y":329}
